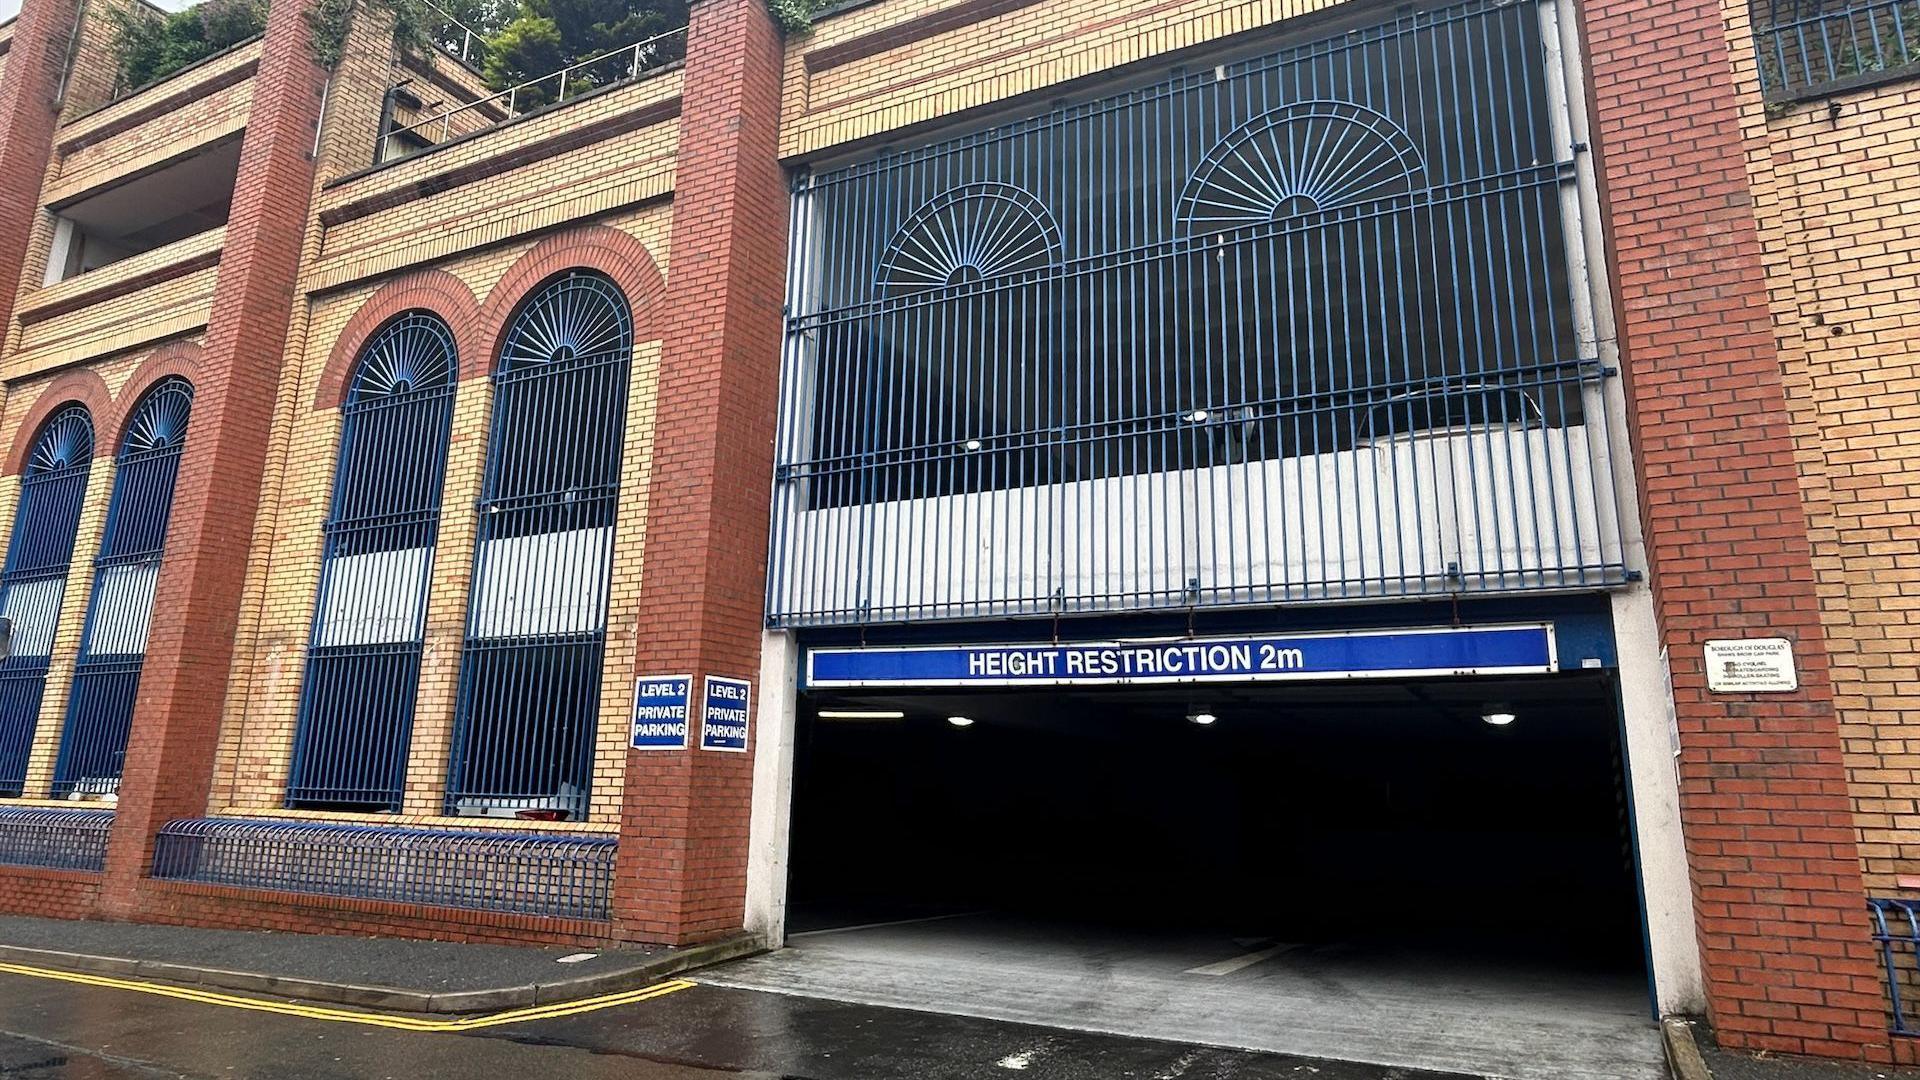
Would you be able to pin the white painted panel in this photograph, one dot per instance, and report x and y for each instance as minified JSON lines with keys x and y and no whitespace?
{"x":123,"y":609}
{"x":34,"y":607}
{"x":1507,"y":508}
{"x":373,"y":599}
{"x":550,"y":583}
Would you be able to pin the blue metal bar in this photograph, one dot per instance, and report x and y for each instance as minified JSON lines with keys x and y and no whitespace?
{"x":33,"y":582}
{"x":1295,"y":328}
{"x":1803,"y":46}
{"x":58,"y":839}
{"x":363,"y":660}
{"x":551,"y":874}
{"x":1897,"y":931}
{"x":113,"y":647}
{"x":530,"y":672}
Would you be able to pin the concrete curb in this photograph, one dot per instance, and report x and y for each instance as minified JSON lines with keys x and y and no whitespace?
{"x":633,"y":976}
{"x":1683,"y":1053}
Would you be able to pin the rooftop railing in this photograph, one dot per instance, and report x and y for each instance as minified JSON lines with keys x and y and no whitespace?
{"x":610,"y":68}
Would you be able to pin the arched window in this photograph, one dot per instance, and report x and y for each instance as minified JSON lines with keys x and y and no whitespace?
{"x":363,"y":663}
{"x":34,"y":579}
{"x":107,"y":676}
{"x":536,"y":621}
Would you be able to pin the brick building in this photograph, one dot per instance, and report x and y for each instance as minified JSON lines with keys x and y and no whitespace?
{"x":1253,"y":443}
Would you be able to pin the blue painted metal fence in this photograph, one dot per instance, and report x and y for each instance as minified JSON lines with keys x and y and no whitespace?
{"x":1805,"y":48}
{"x":106,"y":678}
{"x":57,"y":839}
{"x":530,"y":671}
{"x":33,"y":581}
{"x":1309,"y":326}
{"x":363,"y":664}
{"x":558,"y":875}
{"x":1897,"y":931}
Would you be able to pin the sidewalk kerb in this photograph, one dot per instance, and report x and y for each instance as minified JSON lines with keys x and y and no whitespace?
{"x":1683,"y":1053}
{"x":492,"y":999}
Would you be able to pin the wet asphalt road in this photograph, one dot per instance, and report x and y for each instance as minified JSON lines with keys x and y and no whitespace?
{"x":61,"y":1031}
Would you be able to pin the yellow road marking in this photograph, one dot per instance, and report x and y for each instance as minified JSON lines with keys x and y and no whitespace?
{"x":350,"y":1016}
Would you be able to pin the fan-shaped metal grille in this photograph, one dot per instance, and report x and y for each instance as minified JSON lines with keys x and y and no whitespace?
{"x":578,"y":315}
{"x":65,"y":441}
{"x":413,"y":352}
{"x":161,"y":421}
{"x":978,"y":232}
{"x":1298,"y":159}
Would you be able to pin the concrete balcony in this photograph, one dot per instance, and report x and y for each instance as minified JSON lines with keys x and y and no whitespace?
{"x":149,"y":297}
{"x":606,"y":150}
{"x":191,"y":109}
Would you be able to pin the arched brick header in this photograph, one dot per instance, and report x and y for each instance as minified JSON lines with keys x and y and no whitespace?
{"x":81,"y":386}
{"x":181,"y":358}
{"x":428,"y":290}
{"x":595,"y":247}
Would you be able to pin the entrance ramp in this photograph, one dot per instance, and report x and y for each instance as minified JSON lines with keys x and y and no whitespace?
{"x":1413,"y":1007}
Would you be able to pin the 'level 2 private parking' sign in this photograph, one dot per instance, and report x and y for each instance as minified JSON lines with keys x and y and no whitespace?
{"x":723,"y":716}
{"x":660,"y":711}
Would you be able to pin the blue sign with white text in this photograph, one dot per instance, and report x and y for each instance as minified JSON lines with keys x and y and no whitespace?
{"x":660,"y":711}
{"x":1423,"y":651}
{"x":723,"y":719}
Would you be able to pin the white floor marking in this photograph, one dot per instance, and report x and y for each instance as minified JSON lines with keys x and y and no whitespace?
{"x":878,"y":925}
{"x":1228,"y":967}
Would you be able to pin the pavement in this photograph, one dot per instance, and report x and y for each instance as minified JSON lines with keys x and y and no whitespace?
{"x":53,"y":1029}
{"x":416,"y":976}
{"x":1695,"y":1056}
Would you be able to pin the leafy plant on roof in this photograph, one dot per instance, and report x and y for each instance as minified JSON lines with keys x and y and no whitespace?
{"x":796,"y":16}
{"x":149,"y":46}
{"x":547,"y":36}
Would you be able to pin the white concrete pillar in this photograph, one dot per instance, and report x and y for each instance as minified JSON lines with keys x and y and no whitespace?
{"x":773,"y":787}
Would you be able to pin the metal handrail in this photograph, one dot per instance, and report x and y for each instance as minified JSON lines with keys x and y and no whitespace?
{"x":641,"y":55}
{"x":467,"y":33}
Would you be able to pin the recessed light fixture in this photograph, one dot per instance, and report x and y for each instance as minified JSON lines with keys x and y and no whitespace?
{"x":1203,"y":717}
{"x":1498,"y":714}
{"x":960,"y":721}
{"x":861,"y":714}
{"x":1197,"y":416}
{"x":971,"y":444}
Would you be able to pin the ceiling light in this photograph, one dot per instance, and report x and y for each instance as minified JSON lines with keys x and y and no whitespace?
{"x":1197,"y":416}
{"x":861,"y":714}
{"x":960,"y":721}
{"x":1498,"y":715}
{"x":971,"y":444}
{"x":1203,"y":717}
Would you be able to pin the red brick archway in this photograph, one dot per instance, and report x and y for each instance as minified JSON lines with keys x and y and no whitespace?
{"x":428,"y":290}
{"x":180,"y":358}
{"x":80,"y":386}
{"x":596,"y":247}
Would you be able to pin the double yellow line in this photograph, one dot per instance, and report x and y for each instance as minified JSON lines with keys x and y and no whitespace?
{"x":349,"y":1016}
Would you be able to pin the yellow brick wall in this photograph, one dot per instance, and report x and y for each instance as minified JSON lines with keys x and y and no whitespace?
{"x":1832,"y":194}
{"x":167,"y":309}
{"x":986,"y":62}
{"x":204,"y":120}
{"x":263,"y":699}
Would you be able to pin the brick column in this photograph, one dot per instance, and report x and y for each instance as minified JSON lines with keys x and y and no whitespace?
{"x":1764,"y":802}
{"x":36,"y":62}
{"x":683,"y":843}
{"x":176,"y":721}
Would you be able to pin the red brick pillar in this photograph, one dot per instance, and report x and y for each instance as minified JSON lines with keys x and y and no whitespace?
{"x":1764,"y":803}
{"x":176,"y":721}
{"x":36,"y":63}
{"x":683,"y":842}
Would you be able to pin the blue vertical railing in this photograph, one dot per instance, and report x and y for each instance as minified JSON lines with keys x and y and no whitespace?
{"x":113,"y":648}
{"x":363,"y":663}
{"x":1804,"y":48}
{"x":530,"y":671}
{"x":53,"y":489}
{"x":1302,"y":327}
{"x":1896,"y":930}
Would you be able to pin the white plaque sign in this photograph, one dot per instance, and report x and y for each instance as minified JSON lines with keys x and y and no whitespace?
{"x":1751,"y":666}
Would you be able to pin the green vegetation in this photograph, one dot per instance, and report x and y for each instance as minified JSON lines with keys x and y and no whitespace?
{"x":796,"y":16}
{"x":150,"y":46}
{"x":545,"y":36}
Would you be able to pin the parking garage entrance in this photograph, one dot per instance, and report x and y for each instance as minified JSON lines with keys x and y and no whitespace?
{"x":1426,"y":868}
